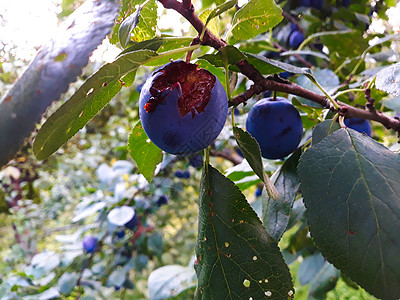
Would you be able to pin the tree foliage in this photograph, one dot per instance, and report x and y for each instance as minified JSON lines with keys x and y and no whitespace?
{"x":328,"y":215}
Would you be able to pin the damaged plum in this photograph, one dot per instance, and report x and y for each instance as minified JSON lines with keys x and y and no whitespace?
{"x":182,"y":108}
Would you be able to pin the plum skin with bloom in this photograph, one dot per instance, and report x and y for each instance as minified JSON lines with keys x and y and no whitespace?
{"x":276,"y":125}
{"x":170,"y":120}
{"x":360,"y":125}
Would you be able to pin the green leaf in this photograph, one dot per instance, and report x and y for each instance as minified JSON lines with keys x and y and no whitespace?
{"x":236,"y":258}
{"x":346,"y":45}
{"x":388,"y":80}
{"x":143,"y":151}
{"x":269,"y":66}
{"x":58,"y":63}
{"x":228,"y":55}
{"x":171,"y":280}
{"x":309,"y":268}
{"x":255,"y":17}
{"x":90,"y":98}
{"x":252,"y":153}
{"x":305,"y":52}
{"x":325,"y":77}
{"x":126,"y":27}
{"x":212,"y":24}
{"x":146,"y":28}
{"x":323,"y":129}
{"x":351,"y":192}
{"x":220,"y":9}
{"x":325,"y":280}
{"x":276,"y":213}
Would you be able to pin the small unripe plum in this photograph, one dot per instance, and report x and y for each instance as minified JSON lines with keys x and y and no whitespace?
{"x":276,"y":125}
{"x":183,"y":108}
{"x":296,"y":38}
{"x":89,"y":244}
{"x":360,"y":125}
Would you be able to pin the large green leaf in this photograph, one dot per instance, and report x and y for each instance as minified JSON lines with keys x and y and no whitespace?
{"x":236,"y":258}
{"x":255,"y":17}
{"x":269,"y":66}
{"x":57,"y":64}
{"x":323,"y":129}
{"x":143,"y":151}
{"x":276,"y":213}
{"x":352,"y":195}
{"x":252,"y":153}
{"x":90,"y":98}
{"x":228,"y":55}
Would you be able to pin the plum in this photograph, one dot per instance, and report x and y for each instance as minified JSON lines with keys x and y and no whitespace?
{"x":360,"y":125}
{"x":296,"y":38}
{"x":120,"y":233}
{"x":132,"y":223}
{"x":89,"y":244}
{"x":163,"y":199}
{"x":183,"y":108}
{"x":276,"y":125}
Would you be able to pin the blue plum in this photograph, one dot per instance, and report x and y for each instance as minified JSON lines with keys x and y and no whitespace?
{"x":276,"y":125}
{"x":360,"y":125}
{"x":162,"y":200}
{"x":305,"y":3}
{"x":132,"y":223}
{"x":258,"y":192}
{"x":89,"y":244}
{"x":196,"y":161}
{"x":295,"y":39}
{"x":120,"y":233}
{"x":183,"y":108}
{"x":317,"y":3}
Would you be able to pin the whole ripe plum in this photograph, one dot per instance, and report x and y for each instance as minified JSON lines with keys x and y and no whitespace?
{"x":276,"y":125}
{"x":89,"y":244}
{"x":360,"y":125}
{"x":182,"y":107}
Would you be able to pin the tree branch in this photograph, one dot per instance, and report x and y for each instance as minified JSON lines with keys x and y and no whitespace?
{"x":272,"y":83}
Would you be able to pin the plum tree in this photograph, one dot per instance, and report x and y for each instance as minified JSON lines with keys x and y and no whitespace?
{"x":276,"y":125}
{"x":89,"y":244}
{"x":183,"y":108}
{"x":360,"y":125}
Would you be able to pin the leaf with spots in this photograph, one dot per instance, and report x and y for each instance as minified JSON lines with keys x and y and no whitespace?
{"x":57,"y":64}
{"x":146,"y":155}
{"x":352,"y":196}
{"x":236,"y":258}
{"x":252,"y":153}
{"x":255,"y":17}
